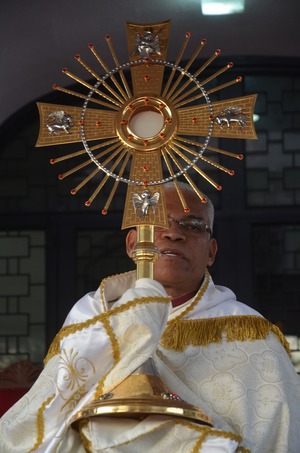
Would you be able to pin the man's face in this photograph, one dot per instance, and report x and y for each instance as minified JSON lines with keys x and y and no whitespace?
{"x":184,"y":254}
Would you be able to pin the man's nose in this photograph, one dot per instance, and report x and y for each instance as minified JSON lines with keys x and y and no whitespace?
{"x":174,"y":232}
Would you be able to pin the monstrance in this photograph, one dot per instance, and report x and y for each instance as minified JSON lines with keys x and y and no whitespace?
{"x":144,"y":123}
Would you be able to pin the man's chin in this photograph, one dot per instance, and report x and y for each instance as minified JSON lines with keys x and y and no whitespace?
{"x":169,"y":279}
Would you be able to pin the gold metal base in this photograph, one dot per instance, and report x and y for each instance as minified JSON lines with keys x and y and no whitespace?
{"x":139,"y":396}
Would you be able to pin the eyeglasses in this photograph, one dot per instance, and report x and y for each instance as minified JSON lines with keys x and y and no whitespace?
{"x":191,"y":225}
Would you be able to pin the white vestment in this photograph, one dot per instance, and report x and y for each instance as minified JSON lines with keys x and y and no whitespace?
{"x":213,"y":351}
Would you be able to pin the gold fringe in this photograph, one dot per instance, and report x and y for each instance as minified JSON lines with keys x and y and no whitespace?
{"x":201,"y":332}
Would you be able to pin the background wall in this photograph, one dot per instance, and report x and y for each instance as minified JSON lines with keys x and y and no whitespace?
{"x":53,"y":249}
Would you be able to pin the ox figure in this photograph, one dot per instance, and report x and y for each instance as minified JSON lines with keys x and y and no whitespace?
{"x":231,"y":115}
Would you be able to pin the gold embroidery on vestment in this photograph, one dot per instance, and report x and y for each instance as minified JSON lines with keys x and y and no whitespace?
{"x":75,"y":398}
{"x":116,"y":356}
{"x":213,"y":432}
{"x":104,"y":283}
{"x":75,"y":367}
{"x":198,"y":297}
{"x":85,"y":442}
{"x":204,"y":431}
{"x":243,"y":450}
{"x":73,"y":328}
{"x":40,"y":424}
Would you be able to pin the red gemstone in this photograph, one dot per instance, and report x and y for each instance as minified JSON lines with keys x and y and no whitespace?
{"x":161,"y":106}
{"x":239,"y":79}
{"x":211,"y":117}
{"x":145,"y":183}
{"x":104,"y":211}
{"x":80,"y":122}
{"x":52,"y":161}
{"x":146,"y":142}
{"x":203,"y":42}
{"x":219,"y":187}
{"x":73,"y":192}
{"x":217,"y":52}
{"x":146,"y":100}
{"x":107,"y":37}
{"x":123,"y":122}
{"x":188,"y":35}
{"x":91,"y":46}
{"x":204,"y":200}
{"x":131,"y":107}
{"x":240,"y":157}
{"x":230,"y":64}
{"x":147,"y":78}
{"x":98,"y":123}
{"x":168,"y":120}
{"x":130,"y":136}
{"x":145,"y":168}
{"x":194,"y":120}
{"x":231,"y":172}
{"x":162,"y":135}
{"x":54,"y":86}
{"x":60,"y":177}
{"x":64,"y":69}
{"x":174,"y":395}
{"x":77,"y":56}
{"x":88,"y":203}
{"x":186,"y":209}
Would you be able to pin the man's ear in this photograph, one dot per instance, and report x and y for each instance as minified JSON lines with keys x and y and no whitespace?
{"x":213,"y":247}
{"x":131,"y":239}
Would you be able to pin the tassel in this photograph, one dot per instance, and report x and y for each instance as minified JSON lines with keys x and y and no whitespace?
{"x":201,"y":332}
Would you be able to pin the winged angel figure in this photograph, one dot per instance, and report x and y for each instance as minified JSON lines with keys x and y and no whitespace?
{"x":146,"y":45}
{"x":145,"y":200}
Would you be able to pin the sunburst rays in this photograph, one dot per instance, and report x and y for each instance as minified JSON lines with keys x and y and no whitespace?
{"x":180,"y":97}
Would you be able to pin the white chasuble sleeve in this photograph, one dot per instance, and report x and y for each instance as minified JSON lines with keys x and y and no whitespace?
{"x":87,"y":358}
{"x":155,"y":434}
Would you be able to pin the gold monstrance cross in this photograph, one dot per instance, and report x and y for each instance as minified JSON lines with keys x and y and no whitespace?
{"x":139,"y":124}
